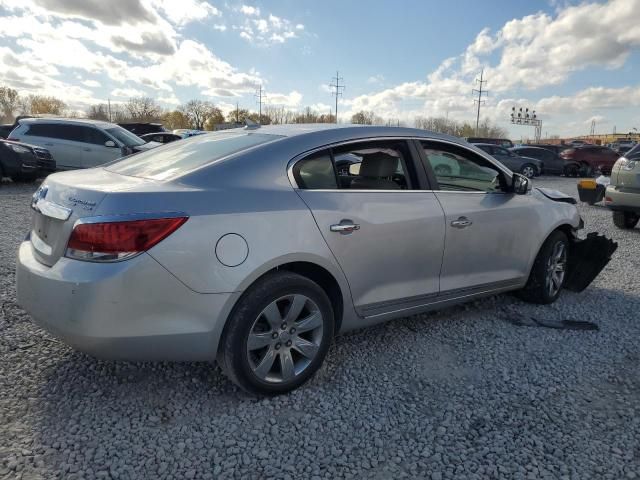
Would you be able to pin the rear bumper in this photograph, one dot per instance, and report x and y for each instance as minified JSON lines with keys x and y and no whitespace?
{"x":131,"y":310}
{"x":622,"y":199}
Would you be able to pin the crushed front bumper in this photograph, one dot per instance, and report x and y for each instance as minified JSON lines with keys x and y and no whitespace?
{"x":587,"y":258}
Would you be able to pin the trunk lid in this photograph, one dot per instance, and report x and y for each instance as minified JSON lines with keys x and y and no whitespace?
{"x":65,"y":197}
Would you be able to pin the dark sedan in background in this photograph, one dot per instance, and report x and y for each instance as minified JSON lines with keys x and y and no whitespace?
{"x":553,"y":163}
{"x":529,"y":167}
{"x":23,"y":162}
{"x":160,"y":137}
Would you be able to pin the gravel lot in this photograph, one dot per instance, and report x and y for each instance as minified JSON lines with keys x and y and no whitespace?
{"x":461,"y":393}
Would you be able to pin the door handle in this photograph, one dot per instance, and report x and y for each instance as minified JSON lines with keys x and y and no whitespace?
{"x":462,"y":222}
{"x":344,"y":227}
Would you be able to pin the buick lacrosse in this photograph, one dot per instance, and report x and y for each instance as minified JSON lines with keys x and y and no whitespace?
{"x":256,"y":246}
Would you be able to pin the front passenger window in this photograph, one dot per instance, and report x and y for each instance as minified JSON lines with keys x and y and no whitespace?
{"x":457,"y":171}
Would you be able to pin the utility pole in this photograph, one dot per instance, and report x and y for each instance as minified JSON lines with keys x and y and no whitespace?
{"x":237,"y":113}
{"x":338,"y":89}
{"x":260,"y":95}
{"x":109,"y":107}
{"x":480,"y":91}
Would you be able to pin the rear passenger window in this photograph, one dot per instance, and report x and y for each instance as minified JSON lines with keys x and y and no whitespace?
{"x":40,"y":130}
{"x":315,"y":172}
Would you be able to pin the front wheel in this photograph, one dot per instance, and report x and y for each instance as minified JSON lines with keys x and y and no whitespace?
{"x":278,"y":335}
{"x":625,"y":220}
{"x":549,"y":271}
{"x":528,"y":170}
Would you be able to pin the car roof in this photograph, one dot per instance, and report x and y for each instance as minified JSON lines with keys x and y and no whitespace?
{"x":528,"y":147}
{"x":79,"y":121}
{"x":477,"y":144}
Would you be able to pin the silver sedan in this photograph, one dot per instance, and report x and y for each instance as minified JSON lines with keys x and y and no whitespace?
{"x":252,"y":247}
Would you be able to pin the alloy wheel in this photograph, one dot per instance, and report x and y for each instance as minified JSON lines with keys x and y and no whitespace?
{"x":528,"y":172}
{"x":285,"y":338}
{"x":556,"y":268}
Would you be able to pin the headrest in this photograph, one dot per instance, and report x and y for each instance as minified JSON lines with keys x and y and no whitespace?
{"x":378,"y":165}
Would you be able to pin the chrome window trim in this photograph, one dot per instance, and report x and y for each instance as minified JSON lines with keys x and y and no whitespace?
{"x":304,"y":155}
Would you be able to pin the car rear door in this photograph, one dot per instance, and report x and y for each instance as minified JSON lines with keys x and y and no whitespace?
{"x":485,"y":248}
{"x":59,"y":139}
{"x":384,"y":229}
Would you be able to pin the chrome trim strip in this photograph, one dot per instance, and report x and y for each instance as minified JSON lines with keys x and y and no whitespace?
{"x":128,"y":217}
{"x":477,"y":151}
{"x":52,"y":210}
{"x":446,"y":296}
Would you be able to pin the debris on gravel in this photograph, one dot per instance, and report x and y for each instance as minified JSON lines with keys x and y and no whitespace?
{"x":459,"y":393}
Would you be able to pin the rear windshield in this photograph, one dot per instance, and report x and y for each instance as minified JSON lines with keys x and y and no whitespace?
{"x":634,"y":153}
{"x":177,"y":158}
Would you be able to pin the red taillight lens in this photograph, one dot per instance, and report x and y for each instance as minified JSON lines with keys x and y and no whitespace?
{"x":111,"y":241}
{"x":568,"y":154}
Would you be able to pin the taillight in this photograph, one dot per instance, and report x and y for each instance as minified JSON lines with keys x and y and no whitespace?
{"x":568,"y":154}
{"x":112,"y":241}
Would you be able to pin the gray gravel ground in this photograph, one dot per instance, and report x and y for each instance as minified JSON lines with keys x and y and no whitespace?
{"x":461,"y":393}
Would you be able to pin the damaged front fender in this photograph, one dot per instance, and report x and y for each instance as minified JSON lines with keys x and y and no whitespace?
{"x":587,"y":258}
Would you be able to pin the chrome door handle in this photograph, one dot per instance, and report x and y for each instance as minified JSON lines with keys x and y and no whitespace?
{"x":344,"y":227}
{"x":462,"y":222}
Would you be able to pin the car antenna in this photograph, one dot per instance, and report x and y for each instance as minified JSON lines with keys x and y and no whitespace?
{"x":250,"y":124}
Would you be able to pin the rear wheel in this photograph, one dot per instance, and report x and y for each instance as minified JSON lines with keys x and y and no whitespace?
{"x":625,"y":220}
{"x":571,"y":170}
{"x":528,"y":170}
{"x":278,"y":335}
{"x":549,"y":271}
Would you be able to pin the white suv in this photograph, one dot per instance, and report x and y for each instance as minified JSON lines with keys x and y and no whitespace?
{"x":79,"y":143}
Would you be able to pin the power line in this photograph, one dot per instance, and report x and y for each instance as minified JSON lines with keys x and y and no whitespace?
{"x":338,"y":89}
{"x":260,"y":95}
{"x":479,"y":101}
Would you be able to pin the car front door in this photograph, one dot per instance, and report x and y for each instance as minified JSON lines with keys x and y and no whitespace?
{"x":485,"y":248}
{"x":95,"y":149}
{"x":386,"y":233}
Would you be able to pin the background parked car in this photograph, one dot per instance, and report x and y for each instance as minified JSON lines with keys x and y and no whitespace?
{"x":503,"y":142}
{"x":623,"y":193}
{"x":186,"y":132}
{"x":142,"y":128}
{"x":162,"y":137}
{"x":589,"y":159}
{"x":5,"y":130}
{"x":79,"y":143}
{"x":553,"y":163}
{"x":529,"y":167}
{"x":24,"y":163}
{"x":555,"y":148}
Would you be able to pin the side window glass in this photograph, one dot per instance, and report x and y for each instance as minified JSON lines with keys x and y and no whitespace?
{"x":315,"y":172}
{"x":376,"y":165}
{"x":461,"y":171}
{"x":94,"y":136}
{"x":41,"y":130}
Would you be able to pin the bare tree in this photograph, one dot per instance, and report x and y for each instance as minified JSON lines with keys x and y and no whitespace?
{"x":366,"y":118}
{"x":199,"y":112}
{"x":143,"y":109}
{"x":459,"y":129}
{"x":42,"y":104}
{"x":175,"y":119}
{"x":98,"y":112}
{"x":9,"y":104}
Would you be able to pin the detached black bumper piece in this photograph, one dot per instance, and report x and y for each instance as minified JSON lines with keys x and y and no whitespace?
{"x":587,"y":258}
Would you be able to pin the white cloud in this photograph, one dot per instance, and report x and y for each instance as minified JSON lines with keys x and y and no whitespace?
{"x":182,"y":12}
{"x":375,"y":79}
{"x":127,"y":93}
{"x":249,"y":10}
{"x":220,"y":27}
{"x":291,"y":100}
{"x":91,"y":83}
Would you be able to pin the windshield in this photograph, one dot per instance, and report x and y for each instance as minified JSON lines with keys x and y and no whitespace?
{"x":178,"y":158}
{"x":634,"y":153}
{"x":125,"y":137}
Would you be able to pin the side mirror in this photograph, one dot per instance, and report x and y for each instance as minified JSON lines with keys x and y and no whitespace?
{"x":520,"y":184}
{"x":110,"y":144}
{"x":354,"y":169}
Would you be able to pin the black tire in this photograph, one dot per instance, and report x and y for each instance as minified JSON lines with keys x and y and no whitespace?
{"x":536,"y":291}
{"x":233,"y":355}
{"x":586,"y":170}
{"x":571,"y":170}
{"x":528,"y":170}
{"x":625,"y":220}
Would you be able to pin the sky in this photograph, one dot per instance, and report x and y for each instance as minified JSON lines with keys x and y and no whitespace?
{"x":572,"y":62}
